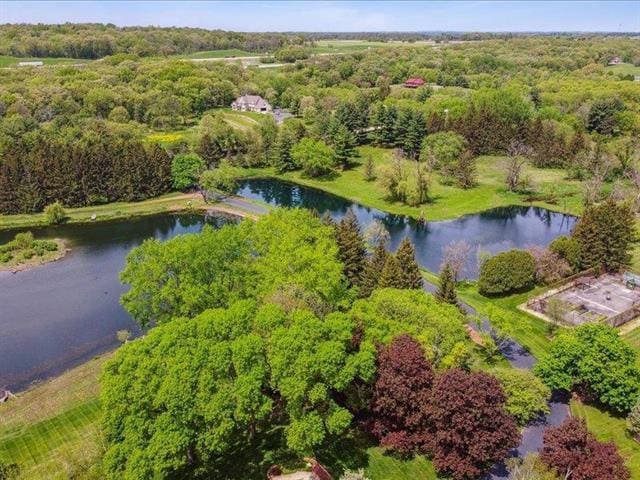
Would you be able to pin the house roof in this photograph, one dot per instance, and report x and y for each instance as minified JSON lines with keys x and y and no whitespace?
{"x":414,"y":81}
{"x":254,"y":100}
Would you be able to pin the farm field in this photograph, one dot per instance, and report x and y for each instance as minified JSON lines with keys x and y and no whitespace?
{"x":624,"y":69}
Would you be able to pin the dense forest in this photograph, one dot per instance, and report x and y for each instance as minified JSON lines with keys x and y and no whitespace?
{"x":93,"y":41}
{"x":550,"y":100}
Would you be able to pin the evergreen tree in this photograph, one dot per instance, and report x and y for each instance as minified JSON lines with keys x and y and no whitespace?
{"x":373,"y":270}
{"x":283,"y":161}
{"x":605,"y":233}
{"x":406,"y":257}
{"x":344,"y":145}
{"x":369,"y":169}
{"x":392,"y":275}
{"x":447,"y":286}
{"x":351,"y":248}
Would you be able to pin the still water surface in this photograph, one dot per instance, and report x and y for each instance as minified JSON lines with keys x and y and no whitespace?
{"x":61,"y":314}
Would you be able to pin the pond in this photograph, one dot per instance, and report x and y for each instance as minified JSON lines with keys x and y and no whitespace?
{"x":61,"y":314}
{"x":491,"y":231}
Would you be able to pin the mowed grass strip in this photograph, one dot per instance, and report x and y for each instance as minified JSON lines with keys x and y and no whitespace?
{"x":383,"y":466}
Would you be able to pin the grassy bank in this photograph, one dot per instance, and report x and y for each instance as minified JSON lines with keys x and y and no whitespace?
{"x":52,"y":429}
{"x":447,"y":202}
{"x":171,"y":202}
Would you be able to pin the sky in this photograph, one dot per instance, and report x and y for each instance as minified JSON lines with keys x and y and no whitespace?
{"x":339,"y":16}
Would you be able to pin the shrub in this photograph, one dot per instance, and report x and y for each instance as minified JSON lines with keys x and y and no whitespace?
{"x":5,"y":257}
{"x":24,"y":240}
{"x":550,"y":267}
{"x":507,"y":272}
{"x":568,"y":249}
{"x":28,"y":254}
{"x":55,"y":213}
{"x":49,"y":245}
{"x":633,"y":420}
{"x":527,"y":396}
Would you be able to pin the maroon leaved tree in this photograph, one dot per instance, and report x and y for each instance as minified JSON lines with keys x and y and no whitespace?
{"x":401,"y":393}
{"x":574,"y":453}
{"x":473,"y":429}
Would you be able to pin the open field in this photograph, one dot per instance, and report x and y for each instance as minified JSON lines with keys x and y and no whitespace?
{"x":229,"y":53}
{"x":608,"y":428}
{"x":624,"y":69}
{"x":385,"y":467}
{"x":167,"y":203}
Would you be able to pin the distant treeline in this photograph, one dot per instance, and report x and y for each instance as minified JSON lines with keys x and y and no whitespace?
{"x":93,"y":41}
{"x":446,"y":36}
{"x":100,"y":166}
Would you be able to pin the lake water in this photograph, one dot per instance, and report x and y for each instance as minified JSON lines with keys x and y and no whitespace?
{"x":61,"y":314}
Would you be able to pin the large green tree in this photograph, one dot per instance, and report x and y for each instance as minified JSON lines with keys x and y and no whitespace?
{"x":289,"y":256}
{"x":605,"y":234}
{"x":439,"y":327}
{"x":593,"y":356}
{"x":406,"y":256}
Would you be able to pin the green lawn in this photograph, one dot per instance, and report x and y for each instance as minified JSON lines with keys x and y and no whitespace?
{"x":386,"y":467}
{"x":447,"y":202}
{"x":231,"y":52}
{"x":608,"y":428}
{"x":111,"y":211}
{"x":624,"y":69}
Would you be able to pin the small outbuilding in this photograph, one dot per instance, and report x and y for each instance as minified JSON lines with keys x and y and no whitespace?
{"x":414,"y":82}
{"x":615,"y":61}
{"x":251,"y":103}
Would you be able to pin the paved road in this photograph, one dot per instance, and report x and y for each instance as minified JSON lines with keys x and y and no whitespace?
{"x":247,"y":206}
{"x":518,"y":357}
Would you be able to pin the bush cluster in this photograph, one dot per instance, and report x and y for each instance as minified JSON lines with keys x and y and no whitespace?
{"x":507,"y":272}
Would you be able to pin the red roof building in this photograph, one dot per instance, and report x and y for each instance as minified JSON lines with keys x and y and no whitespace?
{"x":414,"y":82}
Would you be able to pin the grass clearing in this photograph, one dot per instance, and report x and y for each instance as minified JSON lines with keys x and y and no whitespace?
{"x":608,"y":428}
{"x":228,"y":53}
{"x":54,"y":426}
{"x":386,"y":467}
{"x":447,"y":202}
{"x":171,"y":202}
{"x":624,"y":69}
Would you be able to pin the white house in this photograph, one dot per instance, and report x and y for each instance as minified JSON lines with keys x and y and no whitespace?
{"x":251,"y":103}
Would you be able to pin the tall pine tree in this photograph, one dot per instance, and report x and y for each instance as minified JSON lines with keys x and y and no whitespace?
{"x":373,"y":270}
{"x":605,"y":233}
{"x":392,"y":275}
{"x":406,"y":256}
{"x":447,"y":286}
{"x":351,"y":248}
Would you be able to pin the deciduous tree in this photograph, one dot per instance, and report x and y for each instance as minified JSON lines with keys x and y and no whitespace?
{"x":401,"y":396}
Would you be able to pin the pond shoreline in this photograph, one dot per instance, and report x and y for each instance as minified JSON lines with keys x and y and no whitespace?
{"x":36,"y":261}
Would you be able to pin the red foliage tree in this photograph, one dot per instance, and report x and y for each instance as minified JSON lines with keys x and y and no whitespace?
{"x":400,"y":401}
{"x":473,"y":429}
{"x":574,"y":453}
